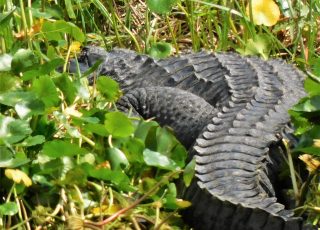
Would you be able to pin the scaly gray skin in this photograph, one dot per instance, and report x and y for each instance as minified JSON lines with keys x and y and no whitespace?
{"x":231,"y":111}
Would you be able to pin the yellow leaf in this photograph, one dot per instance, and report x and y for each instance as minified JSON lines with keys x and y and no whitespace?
{"x":75,"y":46}
{"x":316,"y":143}
{"x":105,"y":209}
{"x":183,"y":203}
{"x":18,"y":176}
{"x":312,"y":163}
{"x":264,"y":12}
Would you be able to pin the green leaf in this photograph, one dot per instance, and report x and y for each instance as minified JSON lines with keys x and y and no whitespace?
{"x":8,"y":209}
{"x":144,"y":128}
{"x":64,"y":83}
{"x":260,"y":45}
{"x":11,"y":98}
{"x":165,"y":140}
{"x":301,"y":123}
{"x":160,"y":50}
{"x":117,"y":159}
{"x":5,"y":62}
{"x":6,"y":17}
{"x":40,"y":179}
{"x":133,"y":148}
{"x":77,"y":176}
{"x":306,"y":142}
{"x":161,"y":6}
{"x":311,"y":104}
{"x":43,"y":69}
{"x":8,"y":82}
{"x":59,"y":148}
{"x":69,"y":9}
{"x":97,"y":129}
{"x":55,"y":30}
{"x":33,"y":140}
{"x":8,"y":160}
{"x":159,"y":160}
{"x":23,"y":60}
{"x":118,"y":178}
{"x":188,"y":173}
{"x":12,"y":130}
{"x":171,"y":197}
{"x":118,"y":124}
{"x":26,"y":109}
{"x":179,"y":155}
{"x":46,"y":90}
{"x":109,"y":88}
{"x":312,"y":86}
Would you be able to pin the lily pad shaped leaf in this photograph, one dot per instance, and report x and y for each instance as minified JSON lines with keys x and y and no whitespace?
{"x":264,"y":12}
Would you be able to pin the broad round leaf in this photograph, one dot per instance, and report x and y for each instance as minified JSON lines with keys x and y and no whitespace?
{"x":160,"y":6}
{"x":160,"y":50}
{"x":109,"y":88}
{"x":12,"y":130}
{"x":8,"y":82}
{"x":59,"y":148}
{"x":158,"y":160}
{"x":23,"y":60}
{"x":8,"y":209}
{"x":55,"y":30}
{"x":46,"y":91}
{"x":117,"y":159}
{"x":118,"y":124}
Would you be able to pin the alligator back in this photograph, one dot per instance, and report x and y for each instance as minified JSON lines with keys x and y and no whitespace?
{"x":232,"y":110}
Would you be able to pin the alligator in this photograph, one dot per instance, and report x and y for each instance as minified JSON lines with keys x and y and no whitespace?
{"x":230,"y":111}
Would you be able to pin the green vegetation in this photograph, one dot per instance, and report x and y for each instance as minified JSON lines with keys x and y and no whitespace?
{"x":62,"y":162}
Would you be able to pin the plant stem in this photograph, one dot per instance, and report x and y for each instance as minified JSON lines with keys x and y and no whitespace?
{"x":135,"y":203}
{"x":292,"y":172}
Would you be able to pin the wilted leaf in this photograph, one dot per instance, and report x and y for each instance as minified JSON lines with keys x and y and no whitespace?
{"x":312,"y":163}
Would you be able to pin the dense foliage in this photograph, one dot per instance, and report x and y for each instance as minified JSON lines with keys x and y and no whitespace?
{"x":69,"y":157}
